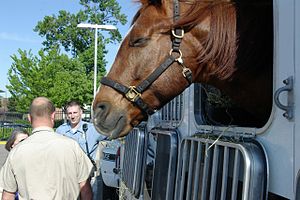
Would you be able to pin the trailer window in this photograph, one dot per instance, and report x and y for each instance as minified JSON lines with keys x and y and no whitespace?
{"x":213,"y":105}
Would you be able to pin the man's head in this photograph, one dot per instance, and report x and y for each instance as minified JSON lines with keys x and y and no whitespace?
{"x":74,"y":113}
{"x":41,"y":112}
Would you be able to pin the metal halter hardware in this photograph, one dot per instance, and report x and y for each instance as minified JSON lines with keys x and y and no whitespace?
{"x":134,"y":93}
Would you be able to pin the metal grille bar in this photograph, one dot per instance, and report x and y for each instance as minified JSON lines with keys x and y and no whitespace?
{"x":134,"y":161}
{"x":173,"y":111}
{"x":220,"y":170}
{"x":165,"y":165}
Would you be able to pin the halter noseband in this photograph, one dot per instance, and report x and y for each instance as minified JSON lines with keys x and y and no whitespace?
{"x":134,"y":93}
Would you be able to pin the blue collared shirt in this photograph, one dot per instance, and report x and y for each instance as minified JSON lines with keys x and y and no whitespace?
{"x":92,"y":136}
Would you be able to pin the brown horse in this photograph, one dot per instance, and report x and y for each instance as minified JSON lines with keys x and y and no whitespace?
{"x":173,"y":43}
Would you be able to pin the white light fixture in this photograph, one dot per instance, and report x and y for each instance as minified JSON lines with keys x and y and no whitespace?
{"x":96,"y":27}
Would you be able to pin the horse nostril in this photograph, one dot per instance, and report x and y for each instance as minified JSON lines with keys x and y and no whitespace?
{"x":101,"y":106}
{"x":102,"y":110}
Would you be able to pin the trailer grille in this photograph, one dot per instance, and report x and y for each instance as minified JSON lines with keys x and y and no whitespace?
{"x":165,"y":165}
{"x":173,"y":111}
{"x":209,"y":169}
{"x":134,"y":160}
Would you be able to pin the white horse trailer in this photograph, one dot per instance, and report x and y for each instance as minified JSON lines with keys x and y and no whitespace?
{"x":182,"y":154}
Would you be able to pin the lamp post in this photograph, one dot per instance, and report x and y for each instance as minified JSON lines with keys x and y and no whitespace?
{"x":96,"y":27}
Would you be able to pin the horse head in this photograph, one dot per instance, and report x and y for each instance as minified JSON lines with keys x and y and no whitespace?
{"x":170,"y":44}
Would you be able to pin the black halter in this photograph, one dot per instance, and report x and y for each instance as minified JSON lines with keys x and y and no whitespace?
{"x":134,"y":93}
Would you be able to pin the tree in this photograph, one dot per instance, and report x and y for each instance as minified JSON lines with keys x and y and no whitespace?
{"x":51,"y":75}
{"x":63,"y":68}
{"x":62,"y":31}
{"x":11,"y":104}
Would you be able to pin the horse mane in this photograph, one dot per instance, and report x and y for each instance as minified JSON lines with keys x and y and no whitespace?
{"x":220,"y":43}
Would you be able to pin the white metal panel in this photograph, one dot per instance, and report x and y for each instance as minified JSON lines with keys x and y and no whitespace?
{"x":297,"y":89}
{"x":278,"y":140}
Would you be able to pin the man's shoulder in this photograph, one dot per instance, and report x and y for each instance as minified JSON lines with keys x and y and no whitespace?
{"x":97,"y":134}
{"x":63,"y":127}
{"x":92,"y":130}
{"x":91,"y":127}
{"x":89,"y":124}
{"x":64,"y":139}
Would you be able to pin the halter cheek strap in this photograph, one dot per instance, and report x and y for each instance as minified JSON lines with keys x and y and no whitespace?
{"x":134,"y":93}
{"x":130,"y":93}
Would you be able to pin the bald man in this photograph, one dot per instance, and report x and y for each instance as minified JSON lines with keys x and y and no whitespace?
{"x":46,"y":165}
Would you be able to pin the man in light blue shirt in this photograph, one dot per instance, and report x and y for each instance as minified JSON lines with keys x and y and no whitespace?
{"x":88,"y":139}
{"x":83,"y":132}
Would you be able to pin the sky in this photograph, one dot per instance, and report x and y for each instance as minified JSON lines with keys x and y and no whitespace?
{"x":19,"y":17}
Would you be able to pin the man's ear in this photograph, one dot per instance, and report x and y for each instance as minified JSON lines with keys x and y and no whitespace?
{"x":29,"y":118}
{"x":53,"y":116}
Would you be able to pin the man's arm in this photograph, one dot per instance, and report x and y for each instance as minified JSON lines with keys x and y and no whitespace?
{"x":85,"y":190}
{"x":8,"y":195}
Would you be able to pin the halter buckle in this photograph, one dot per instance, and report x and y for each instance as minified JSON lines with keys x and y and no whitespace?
{"x":186,"y":72}
{"x":178,"y":36}
{"x":132,"y":94}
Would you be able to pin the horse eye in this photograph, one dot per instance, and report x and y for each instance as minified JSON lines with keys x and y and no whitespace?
{"x":139,"y":42}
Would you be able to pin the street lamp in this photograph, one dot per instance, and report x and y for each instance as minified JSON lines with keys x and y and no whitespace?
{"x":96,"y":27}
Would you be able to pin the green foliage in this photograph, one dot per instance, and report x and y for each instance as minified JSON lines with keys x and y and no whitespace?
{"x":6,"y":132}
{"x":52,"y":75}
{"x":61,"y":30}
{"x":12,"y":103}
{"x":57,"y":123}
{"x":68,"y":75}
{"x":22,"y":121}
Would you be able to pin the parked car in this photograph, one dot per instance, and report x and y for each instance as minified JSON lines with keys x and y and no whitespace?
{"x":110,"y":164}
{"x":4,"y":123}
{"x":19,"y":125}
{"x":7,"y":124}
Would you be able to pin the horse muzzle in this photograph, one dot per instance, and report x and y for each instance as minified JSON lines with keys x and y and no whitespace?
{"x":108,"y":121}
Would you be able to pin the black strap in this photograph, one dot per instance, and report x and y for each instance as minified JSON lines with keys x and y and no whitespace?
{"x":189,"y":76}
{"x":176,"y":10}
{"x":117,"y":86}
{"x":123,"y":90}
{"x":153,"y":76}
{"x":177,"y":31}
{"x":143,"y":106}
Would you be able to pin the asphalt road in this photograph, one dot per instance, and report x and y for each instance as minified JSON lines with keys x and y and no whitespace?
{"x":3,"y":154}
